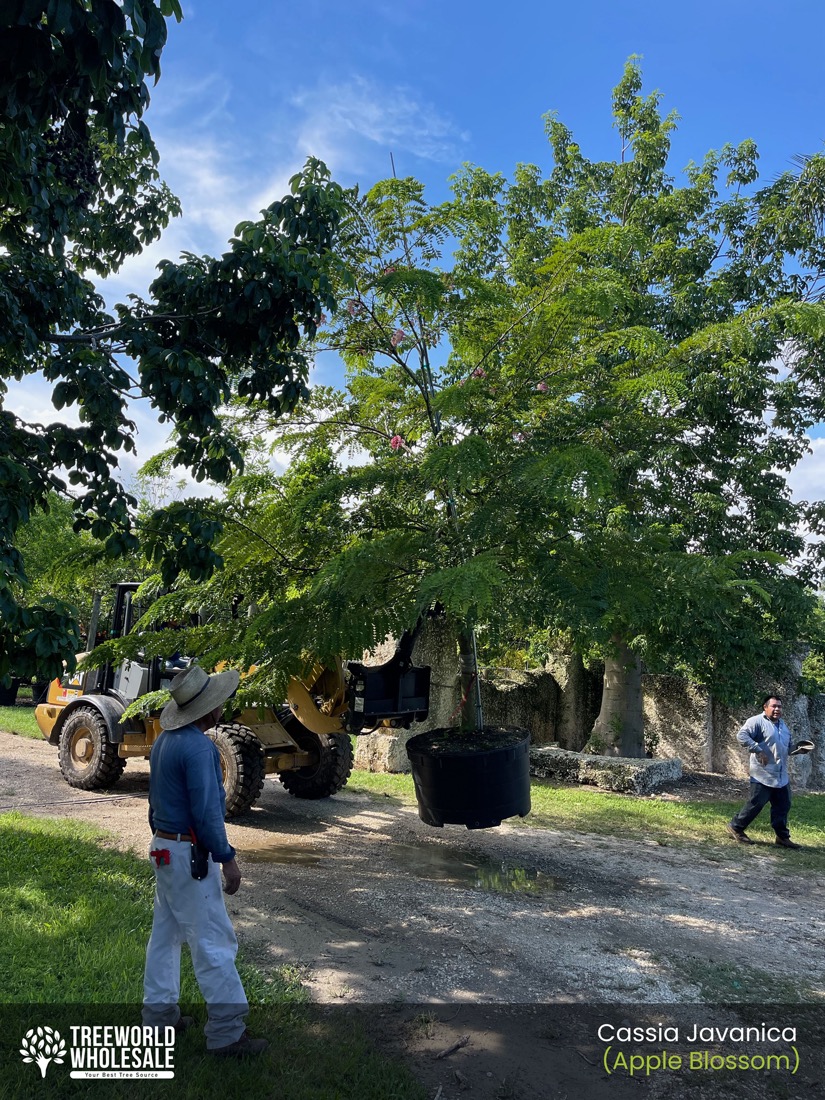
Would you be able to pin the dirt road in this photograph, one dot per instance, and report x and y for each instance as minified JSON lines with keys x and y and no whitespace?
{"x":375,"y":908}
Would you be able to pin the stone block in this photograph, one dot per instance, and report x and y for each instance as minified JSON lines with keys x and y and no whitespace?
{"x":383,"y":752}
{"x":611,"y":773}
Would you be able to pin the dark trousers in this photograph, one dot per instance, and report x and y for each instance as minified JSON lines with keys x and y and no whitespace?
{"x":780,"y":800}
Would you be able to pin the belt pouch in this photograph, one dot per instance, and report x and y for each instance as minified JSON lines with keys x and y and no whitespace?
{"x":199,"y":861}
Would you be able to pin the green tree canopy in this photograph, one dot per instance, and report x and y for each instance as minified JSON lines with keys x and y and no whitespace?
{"x":80,"y":193}
{"x":570,"y":402}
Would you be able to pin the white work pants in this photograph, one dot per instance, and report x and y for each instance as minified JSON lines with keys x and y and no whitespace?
{"x":192,"y":911}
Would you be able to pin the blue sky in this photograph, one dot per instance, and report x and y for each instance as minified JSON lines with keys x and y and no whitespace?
{"x":249,"y":90}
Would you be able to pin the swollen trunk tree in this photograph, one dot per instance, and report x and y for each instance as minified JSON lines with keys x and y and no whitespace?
{"x":619,"y":727}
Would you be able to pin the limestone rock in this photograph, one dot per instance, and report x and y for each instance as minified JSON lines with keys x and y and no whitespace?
{"x":611,"y":773}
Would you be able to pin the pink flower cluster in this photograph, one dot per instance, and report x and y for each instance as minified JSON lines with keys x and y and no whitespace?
{"x":397,"y":442}
{"x":353,"y":307}
{"x":397,"y":337}
{"x":542,"y":387}
{"x":479,"y":372}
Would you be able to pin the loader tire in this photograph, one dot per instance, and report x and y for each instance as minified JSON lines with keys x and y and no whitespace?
{"x":87,"y":757}
{"x":243,"y":766}
{"x":331,"y":772}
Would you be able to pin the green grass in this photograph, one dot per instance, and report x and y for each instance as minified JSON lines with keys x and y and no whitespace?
{"x":76,"y":916}
{"x":19,"y":720}
{"x":722,"y":983}
{"x":585,"y":810}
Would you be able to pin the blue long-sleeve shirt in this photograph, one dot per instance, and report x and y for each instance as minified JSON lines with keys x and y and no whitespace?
{"x":186,"y":789}
{"x":761,"y":735}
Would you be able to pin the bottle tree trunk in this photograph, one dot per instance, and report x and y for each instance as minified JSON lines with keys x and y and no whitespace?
{"x":619,"y":728}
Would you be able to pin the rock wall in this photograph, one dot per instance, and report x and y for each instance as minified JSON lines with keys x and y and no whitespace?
{"x":689,"y":723}
{"x":559,"y":704}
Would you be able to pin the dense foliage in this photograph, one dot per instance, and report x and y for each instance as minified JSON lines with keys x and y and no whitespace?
{"x":80,"y":193}
{"x":571,"y":403}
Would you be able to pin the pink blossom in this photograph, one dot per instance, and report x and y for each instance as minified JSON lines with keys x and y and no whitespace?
{"x":397,"y":337}
{"x":542,"y":387}
{"x":479,"y":372}
{"x":322,"y":320}
{"x":389,"y":270}
{"x":353,"y":307}
{"x":397,"y":442}
{"x":519,"y":437}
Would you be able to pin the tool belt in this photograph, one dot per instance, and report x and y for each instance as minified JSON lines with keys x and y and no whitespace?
{"x":199,"y":857}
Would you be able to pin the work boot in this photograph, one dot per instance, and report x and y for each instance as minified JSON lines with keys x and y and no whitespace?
{"x":739,"y":835}
{"x":786,"y":842}
{"x":241,"y":1047}
{"x":183,"y":1024}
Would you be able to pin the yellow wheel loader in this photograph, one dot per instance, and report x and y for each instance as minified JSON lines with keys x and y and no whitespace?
{"x":305,"y":742}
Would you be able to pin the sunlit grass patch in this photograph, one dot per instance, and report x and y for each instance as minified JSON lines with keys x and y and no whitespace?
{"x":19,"y":720}
{"x":76,"y":915}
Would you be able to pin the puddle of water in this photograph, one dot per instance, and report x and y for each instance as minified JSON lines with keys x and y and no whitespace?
{"x":444,"y":864}
{"x":301,"y":854}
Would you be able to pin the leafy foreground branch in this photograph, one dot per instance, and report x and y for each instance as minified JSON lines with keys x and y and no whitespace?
{"x":77,"y":915}
{"x":79,"y":194}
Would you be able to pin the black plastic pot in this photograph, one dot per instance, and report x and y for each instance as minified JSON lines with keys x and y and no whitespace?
{"x":473,"y":779}
{"x":40,"y":689}
{"x":8,"y":695}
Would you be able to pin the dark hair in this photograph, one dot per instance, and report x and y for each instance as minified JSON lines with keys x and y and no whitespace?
{"x":768,"y":698}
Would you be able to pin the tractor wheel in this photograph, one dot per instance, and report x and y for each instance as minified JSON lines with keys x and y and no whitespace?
{"x":87,"y":757}
{"x":331,"y":772}
{"x":242,"y":766}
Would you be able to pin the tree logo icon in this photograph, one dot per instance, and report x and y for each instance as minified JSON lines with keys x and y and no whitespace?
{"x":43,"y":1045}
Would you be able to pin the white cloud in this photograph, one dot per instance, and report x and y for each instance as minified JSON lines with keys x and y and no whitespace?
{"x":352,"y":123}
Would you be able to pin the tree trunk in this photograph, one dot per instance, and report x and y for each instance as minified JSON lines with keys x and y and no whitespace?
{"x":619,"y":728}
{"x":471,"y":717}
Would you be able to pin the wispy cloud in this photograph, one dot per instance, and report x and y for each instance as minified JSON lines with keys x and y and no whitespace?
{"x":348,"y":123}
{"x":225,"y":168}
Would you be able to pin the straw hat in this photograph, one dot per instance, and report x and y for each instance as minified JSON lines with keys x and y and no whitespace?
{"x":195,"y":694}
{"x":802,"y":748}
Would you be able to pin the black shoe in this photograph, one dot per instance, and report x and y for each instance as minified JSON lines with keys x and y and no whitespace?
{"x":183,"y":1024}
{"x":241,"y":1047}
{"x":739,"y":835}
{"x":786,"y":842}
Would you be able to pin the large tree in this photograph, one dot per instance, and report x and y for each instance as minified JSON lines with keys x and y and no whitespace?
{"x":678,"y":330}
{"x":79,"y":193}
{"x":583,"y":417}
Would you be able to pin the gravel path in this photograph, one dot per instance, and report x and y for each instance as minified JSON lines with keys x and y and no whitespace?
{"x":373,"y":907}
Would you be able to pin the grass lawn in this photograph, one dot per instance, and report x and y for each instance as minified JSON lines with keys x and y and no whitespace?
{"x":19,"y":720}
{"x":76,"y":916}
{"x":668,"y":822}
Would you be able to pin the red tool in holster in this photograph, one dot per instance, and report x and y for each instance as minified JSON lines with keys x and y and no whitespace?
{"x":161,"y":856}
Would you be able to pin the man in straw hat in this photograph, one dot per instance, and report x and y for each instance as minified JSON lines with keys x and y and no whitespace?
{"x":186,"y":796}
